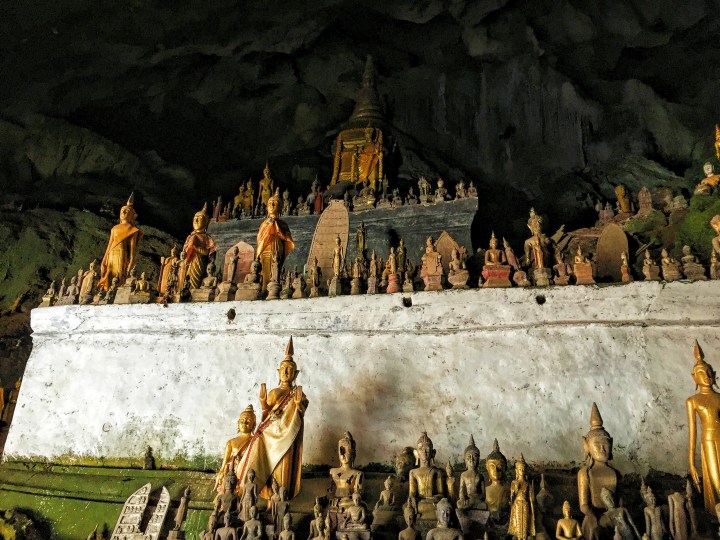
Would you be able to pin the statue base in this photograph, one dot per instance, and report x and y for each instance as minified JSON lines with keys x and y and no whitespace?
{"x":393,"y":285}
{"x":472,"y":521}
{"x":386,"y":520}
{"x":496,"y":276}
{"x":583,"y":274}
{"x":314,"y":292}
{"x":355,"y":285}
{"x":273,"y":291}
{"x":459,"y":279}
{"x":372,"y":285}
{"x":651,"y":273}
{"x":626,"y":276}
{"x":85,"y":299}
{"x":520,"y":279}
{"x":247,"y":291}
{"x":363,"y":204}
{"x":335,"y":287}
{"x":383,"y":203}
{"x":47,"y":301}
{"x":694,"y":272}
{"x":562,"y":280}
{"x":226,"y":291}
{"x":542,"y":277}
{"x":353,"y":534}
{"x":433,"y":283}
{"x":122,"y":296}
{"x":410,"y":202}
{"x":69,"y":301}
{"x":202,"y":295}
{"x":671,"y":272}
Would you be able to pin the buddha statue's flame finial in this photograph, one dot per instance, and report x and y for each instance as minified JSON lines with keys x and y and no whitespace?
{"x":699,"y":355}
{"x":496,"y":446}
{"x":596,"y":420}
{"x":521,"y":459}
{"x":289,"y":349}
{"x":204,"y":209}
{"x":472,"y":441}
{"x":131,"y":199}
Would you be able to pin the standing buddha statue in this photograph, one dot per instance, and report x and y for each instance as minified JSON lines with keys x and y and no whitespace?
{"x":472,"y":483}
{"x":273,"y":239}
{"x":427,"y":482}
{"x":497,"y":494}
{"x":522,"y":513}
{"x":122,"y":247}
{"x":265,"y":188}
{"x":199,"y":249}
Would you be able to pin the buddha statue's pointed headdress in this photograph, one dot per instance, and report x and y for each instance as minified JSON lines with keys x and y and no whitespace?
{"x":496,"y":454}
{"x":471,"y":447}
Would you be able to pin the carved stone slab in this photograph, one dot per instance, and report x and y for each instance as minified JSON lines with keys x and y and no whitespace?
{"x":611,"y":244}
{"x":444,"y":245}
{"x":128,"y":524}
{"x":246,"y":254}
{"x":334,"y":221}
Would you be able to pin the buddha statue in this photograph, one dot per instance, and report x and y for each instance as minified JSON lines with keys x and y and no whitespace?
{"x":252,"y":528}
{"x":707,"y":184}
{"x":266,"y":188}
{"x":497,"y":493}
{"x":273,"y":238}
{"x":165,"y":266}
{"x":691,"y":267}
{"x":387,"y":496}
{"x":199,"y":249}
{"x":617,"y":517}
{"x":404,"y":462}
{"x":522,"y":519}
{"x":122,"y":247}
{"x":650,"y":270}
{"x":714,"y":265}
{"x":441,"y":192}
{"x":88,"y":284}
{"x":596,"y":474}
{"x":345,"y":479}
{"x":460,"y":192}
{"x":496,"y":270}
{"x":427,"y":482}
{"x":275,"y":450}
{"x":706,"y":406}
{"x":472,"y":484}
{"x":411,"y":198}
{"x":567,"y":527}
{"x":536,"y":251}
{"x":236,"y":446}
{"x":287,"y":531}
{"x":654,"y":526}
{"x":563,"y":271}
{"x":355,"y":516}
{"x":238,"y":199}
{"x":458,"y":274}
{"x":623,"y":201}
{"x":432,"y":270}
{"x":424,"y":188}
{"x":443,"y":531}
{"x":472,"y":191}
{"x":365,"y":199}
{"x":227,"y":532}
{"x":670,"y":266}
{"x":409,"y":532}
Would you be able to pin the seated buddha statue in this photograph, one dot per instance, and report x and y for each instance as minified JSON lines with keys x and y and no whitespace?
{"x":355,"y":515}
{"x":427,"y":482}
{"x":365,"y":199}
{"x":345,"y":479}
{"x":707,"y":184}
{"x":597,"y":474}
{"x":236,"y":446}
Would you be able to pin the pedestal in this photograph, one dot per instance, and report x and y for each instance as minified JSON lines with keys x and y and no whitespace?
{"x":202,"y":295}
{"x":85,"y":299}
{"x":671,"y":272}
{"x":496,"y":276}
{"x":520,"y":279}
{"x":226,"y":291}
{"x":48,"y":300}
{"x":353,"y":535}
{"x":694,"y":272}
{"x":247,"y":291}
{"x":459,"y":279}
{"x":285,"y":293}
{"x":372,"y":285}
{"x":561,"y":280}
{"x":355,"y":285}
{"x":334,"y":287}
{"x":122,"y":296}
{"x":393,"y":283}
{"x":583,"y":274}
{"x":651,"y":272}
{"x":273,"y":291}
{"x":433,"y":283}
{"x":542,"y":277}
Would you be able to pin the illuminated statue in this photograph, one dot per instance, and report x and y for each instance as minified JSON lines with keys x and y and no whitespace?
{"x":265,"y":188}
{"x":346,"y":480}
{"x":273,"y":239}
{"x":427,"y":483}
{"x":235,"y":447}
{"x":122,"y":247}
{"x":711,"y":180}
{"x":522,"y":514}
{"x":199,"y":249}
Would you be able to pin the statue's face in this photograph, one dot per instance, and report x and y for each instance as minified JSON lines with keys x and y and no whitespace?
{"x":199,"y":221}
{"x":566,"y":509}
{"x":127,"y":214}
{"x":704,"y":375}
{"x":356,"y":498}
{"x":443,"y":515}
{"x":251,"y":475}
{"x":246,"y":423}
{"x":347,"y":456}
{"x":708,"y":169}
{"x":519,"y":469}
{"x":272,"y":207}
{"x":472,"y":459}
{"x":495,"y":470}
{"x":287,"y":372}
{"x":599,"y":449}
{"x":651,"y":499}
{"x":253,"y":512}
{"x":424,"y":453}
{"x":493,"y":243}
{"x":403,"y":463}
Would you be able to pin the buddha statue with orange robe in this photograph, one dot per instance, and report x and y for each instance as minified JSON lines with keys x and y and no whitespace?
{"x":122,"y":247}
{"x":273,"y":238}
{"x":199,"y":249}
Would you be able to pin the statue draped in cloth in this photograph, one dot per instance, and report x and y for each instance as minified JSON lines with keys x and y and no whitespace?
{"x":275,"y":450}
{"x":122,"y":247}
{"x":273,"y":238}
{"x":199,"y":250}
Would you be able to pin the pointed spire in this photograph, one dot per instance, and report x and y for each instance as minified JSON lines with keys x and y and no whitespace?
{"x":596,"y":420}
{"x":542,"y":481}
{"x":204,"y":208}
{"x":368,"y":111}
{"x":472,"y":441}
{"x":496,"y":446}
{"x":522,"y":459}
{"x":699,"y":355}
{"x":449,"y":469}
{"x":131,"y":199}
{"x":289,"y":350}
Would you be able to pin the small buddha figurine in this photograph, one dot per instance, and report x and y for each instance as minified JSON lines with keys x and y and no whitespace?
{"x":253,"y":528}
{"x":670,"y":267}
{"x":338,"y":258}
{"x":166,"y":264}
{"x":617,"y":517}
{"x":142,"y":285}
{"x":401,"y":256}
{"x":460,"y":192}
{"x":472,"y":191}
{"x":387,"y":496}
{"x":563,"y":270}
{"x":497,"y":494}
{"x":536,"y":251}
{"x":199,"y":249}
{"x":472,"y":484}
{"x":355,"y":515}
{"x":625,"y":270}
{"x":317,"y":525}
{"x":493,"y":255}
{"x":427,"y":483}
{"x":88,"y":284}
{"x":345,"y":479}
{"x":432,"y":269}
{"x":654,"y":526}
{"x":265,"y":187}
{"x":424,"y":187}
{"x":691,"y":267}
{"x":678,"y":519}
{"x":409,"y":532}
{"x":651,"y":270}
{"x":522,"y":520}
{"x":705,"y":405}
{"x":227,"y":532}
{"x":623,"y":201}
{"x":411,"y":197}
{"x":72,"y":291}
{"x":228,"y":492}
{"x":582,"y":268}
{"x":596,"y":474}
{"x":443,"y":531}
{"x":711,"y":180}
{"x":567,"y":527}
{"x":122,"y":247}
{"x":249,"y":495}
{"x":287,"y":532}
{"x":441,"y":191}
{"x":715,"y":224}
{"x":714,"y":265}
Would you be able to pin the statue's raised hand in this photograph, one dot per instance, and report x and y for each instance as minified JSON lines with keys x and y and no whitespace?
{"x":263,"y":392}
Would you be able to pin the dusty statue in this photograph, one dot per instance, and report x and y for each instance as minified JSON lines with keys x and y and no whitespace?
{"x":199,"y":249}
{"x":273,"y":239}
{"x":705,"y":405}
{"x":472,"y":485}
{"x":497,"y":494}
{"x":567,"y":527}
{"x":522,"y":513}
{"x":444,"y":531}
{"x":345,"y":479}
{"x":617,"y":517}
{"x":427,"y":482}
{"x":122,"y":247}
{"x":275,"y":450}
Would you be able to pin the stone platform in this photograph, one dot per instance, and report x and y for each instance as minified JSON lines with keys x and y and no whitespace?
{"x":384,"y":227}
{"x":522,"y":365}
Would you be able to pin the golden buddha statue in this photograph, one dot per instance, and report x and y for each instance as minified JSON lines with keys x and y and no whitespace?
{"x":273,"y":239}
{"x":522,"y":518}
{"x":166,"y":264}
{"x":711,"y":179}
{"x":122,"y":247}
{"x":705,"y":405}
{"x":715,"y":224}
{"x":265,"y":187}
{"x":717,"y":141}
{"x":275,"y":450}
{"x":472,"y":484}
{"x":359,"y":150}
{"x":567,"y":527}
{"x":536,"y":247}
{"x":345,"y":479}
{"x":623,"y":201}
{"x":199,"y":249}
{"x":427,"y":482}
{"x":493,"y":255}
{"x":239,"y":198}
{"x":597,"y":474}
{"x":235,"y":447}
{"x":497,"y":494}
{"x":247,"y":203}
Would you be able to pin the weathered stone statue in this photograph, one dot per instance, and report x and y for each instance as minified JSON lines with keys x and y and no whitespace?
{"x":345,"y":479}
{"x":706,"y":185}
{"x":497,"y":494}
{"x":441,"y":193}
{"x":432,"y":269}
{"x":404,"y":462}
{"x":387,"y":496}
{"x":122,"y":247}
{"x":472,"y":191}
{"x":544,"y":498}
{"x":563,"y":271}
{"x":424,"y":188}
{"x":715,"y":224}
{"x":50,"y":296}
{"x":411,"y":198}
{"x":149,"y":460}
{"x":227,"y":532}
{"x":471,"y":493}
{"x":276,"y":446}
{"x":705,"y":405}
{"x":302,"y":208}
{"x":651,"y":270}
{"x":691,"y":267}
{"x":88,"y":285}
{"x":670,"y":267}
{"x":427,"y":482}
{"x":236,"y":446}
{"x":409,"y":532}
{"x":460,"y":192}
{"x":654,"y":526}
{"x":443,"y":531}
{"x":166,"y":264}
{"x":182,"y":510}
{"x":287,"y":532}
{"x":355,"y":516}
{"x":582,"y":269}
{"x":266,"y":187}
{"x":199,"y":249}
{"x":617,"y":517}
{"x":253,"y":528}
{"x":249,"y":495}
{"x":338,"y":264}
{"x":522,"y":519}
{"x":273,"y":239}
{"x":678,"y":519}
{"x":596,"y":474}
{"x":567,"y":527}
{"x":644,"y":201}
